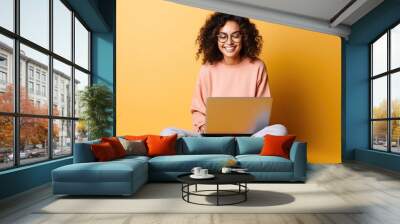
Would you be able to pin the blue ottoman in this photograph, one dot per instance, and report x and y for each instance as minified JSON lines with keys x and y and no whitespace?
{"x":118,"y":177}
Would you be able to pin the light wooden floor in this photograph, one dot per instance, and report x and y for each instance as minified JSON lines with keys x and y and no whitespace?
{"x":378,"y":188}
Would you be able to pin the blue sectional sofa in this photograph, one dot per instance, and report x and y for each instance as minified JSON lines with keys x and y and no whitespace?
{"x":125,"y":176}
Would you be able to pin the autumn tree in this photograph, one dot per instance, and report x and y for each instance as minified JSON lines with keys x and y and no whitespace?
{"x":380,"y":127}
{"x":33,"y":131}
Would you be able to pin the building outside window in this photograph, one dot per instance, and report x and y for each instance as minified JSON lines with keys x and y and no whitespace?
{"x":35,"y":71}
{"x":30,"y":72}
{"x":30,"y":87}
{"x":385,"y":91}
{"x":3,"y":60}
{"x":43,"y":90}
{"x":3,"y":71}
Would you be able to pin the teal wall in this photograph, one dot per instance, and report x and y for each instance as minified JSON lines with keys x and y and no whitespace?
{"x":99,"y":15}
{"x":24,"y":178}
{"x":103,"y":63}
{"x":356,"y":85}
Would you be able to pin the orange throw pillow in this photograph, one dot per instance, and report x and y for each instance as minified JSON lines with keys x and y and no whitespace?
{"x":103,"y":152}
{"x":161,"y":145}
{"x":116,"y":145}
{"x":135,"y":138}
{"x":277,"y":145}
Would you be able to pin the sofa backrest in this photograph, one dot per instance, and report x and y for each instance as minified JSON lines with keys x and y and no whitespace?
{"x":83,"y":153}
{"x":206,"y":145}
{"x":249,"y":145}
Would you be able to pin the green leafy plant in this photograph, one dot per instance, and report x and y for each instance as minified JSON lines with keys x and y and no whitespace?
{"x":96,"y":102}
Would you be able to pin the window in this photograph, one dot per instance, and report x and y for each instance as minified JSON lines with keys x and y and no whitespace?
{"x":35,"y":21}
{"x":37,"y":74}
{"x":385,"y":91}
{"x":6,"y":73}
{"x":44,"y":91}
{"x":81,"y":45}
{"x":47,"y":77}
{"x":3,"y":61}
{"x":3,"y":78}
{"x":7,"y":14}
{"x":62,"y":31}
{"x":30,"y":72}
{"x":37,"y":89}
{"x":30,"y":87}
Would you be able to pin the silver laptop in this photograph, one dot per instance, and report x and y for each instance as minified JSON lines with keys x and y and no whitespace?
{"x":237,"y":115}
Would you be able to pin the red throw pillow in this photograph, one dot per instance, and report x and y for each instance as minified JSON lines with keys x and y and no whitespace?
{"x":161,"y":145}
{"x":103,"y":151}
{"x":116,"y":145}
{"x":134,"y":138}
{"x":277,"y":145}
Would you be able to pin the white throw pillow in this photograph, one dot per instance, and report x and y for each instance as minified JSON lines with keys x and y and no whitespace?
{"x":179,"y":132}
{"x":276,"y":129}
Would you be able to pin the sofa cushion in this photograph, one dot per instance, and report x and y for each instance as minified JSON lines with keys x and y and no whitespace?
{"x":206,"y":145}
{"x":185,"y":163}
{"x":277,"y":145}
{"x":116,"y":145}
{"x":257,"y":163}
{"x":103,"y":152}
{"x":134,"y":147}
{"x":161,"y":145}
{"x":111,"y":171}
{"x":249,"y":145}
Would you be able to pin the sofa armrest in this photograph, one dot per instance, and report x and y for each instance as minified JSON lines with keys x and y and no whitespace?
{"x":298,"y":155}
{"x":83,"y":152}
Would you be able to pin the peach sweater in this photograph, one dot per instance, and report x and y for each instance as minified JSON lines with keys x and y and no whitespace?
{"x":246,"y":79}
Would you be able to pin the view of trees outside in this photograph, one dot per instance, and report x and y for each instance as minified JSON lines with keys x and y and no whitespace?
{"x":379,"y":128}
{"x":33,"y":131}
{"x":34,"y":81}
{"x":382,"y":138}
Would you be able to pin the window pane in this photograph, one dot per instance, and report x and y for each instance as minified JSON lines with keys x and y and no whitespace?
{"x":34,"y":79}
{"x":62,"y":89}
{"x":379,"y":135}
{"x":62,"y":29}
{"x":379,"y":97}
{"x":62,"y":138}
{"x":81,"y":45}
{"x":395,"y":47}
{"x":6,"y":142}
{"x":395,"y":136}
{"x":35,"y":21}
{"x":81,"y":131}
{"x":7,"y":14}
{"x":81,"y":81}
{"x":395,"y":94}
{"x":6,"y":74}
{"x":33,"y":140}
{"x":379,"y":55}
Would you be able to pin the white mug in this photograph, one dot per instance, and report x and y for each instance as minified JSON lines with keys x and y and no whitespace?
{"x":196,"y":170}
{"x":203,"y":172}
{"x":226,"y":170}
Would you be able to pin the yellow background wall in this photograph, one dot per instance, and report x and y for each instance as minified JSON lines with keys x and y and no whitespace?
{"x":157,"y":71}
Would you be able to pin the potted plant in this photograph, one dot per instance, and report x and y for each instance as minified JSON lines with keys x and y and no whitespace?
{"x":96,"y":102}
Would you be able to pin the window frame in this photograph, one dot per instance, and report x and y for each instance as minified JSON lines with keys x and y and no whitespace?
{"x":16,"y":115}
{"x":388,"y":74}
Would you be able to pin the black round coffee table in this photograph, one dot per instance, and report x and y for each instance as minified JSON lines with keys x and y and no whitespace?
{"x":238,"y":179}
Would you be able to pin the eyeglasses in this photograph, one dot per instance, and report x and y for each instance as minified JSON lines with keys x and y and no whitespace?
{"x":235,"y":37}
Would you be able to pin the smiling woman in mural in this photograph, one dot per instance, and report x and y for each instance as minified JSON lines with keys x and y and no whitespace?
{"x":229,"y":46}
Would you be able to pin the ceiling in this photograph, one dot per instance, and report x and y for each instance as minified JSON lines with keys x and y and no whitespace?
{"x":326,"y":16}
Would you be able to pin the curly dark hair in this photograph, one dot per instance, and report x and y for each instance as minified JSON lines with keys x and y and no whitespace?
{"x":207,"y":38}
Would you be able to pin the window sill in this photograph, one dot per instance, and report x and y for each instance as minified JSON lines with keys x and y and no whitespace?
{"x":26,"y":167}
